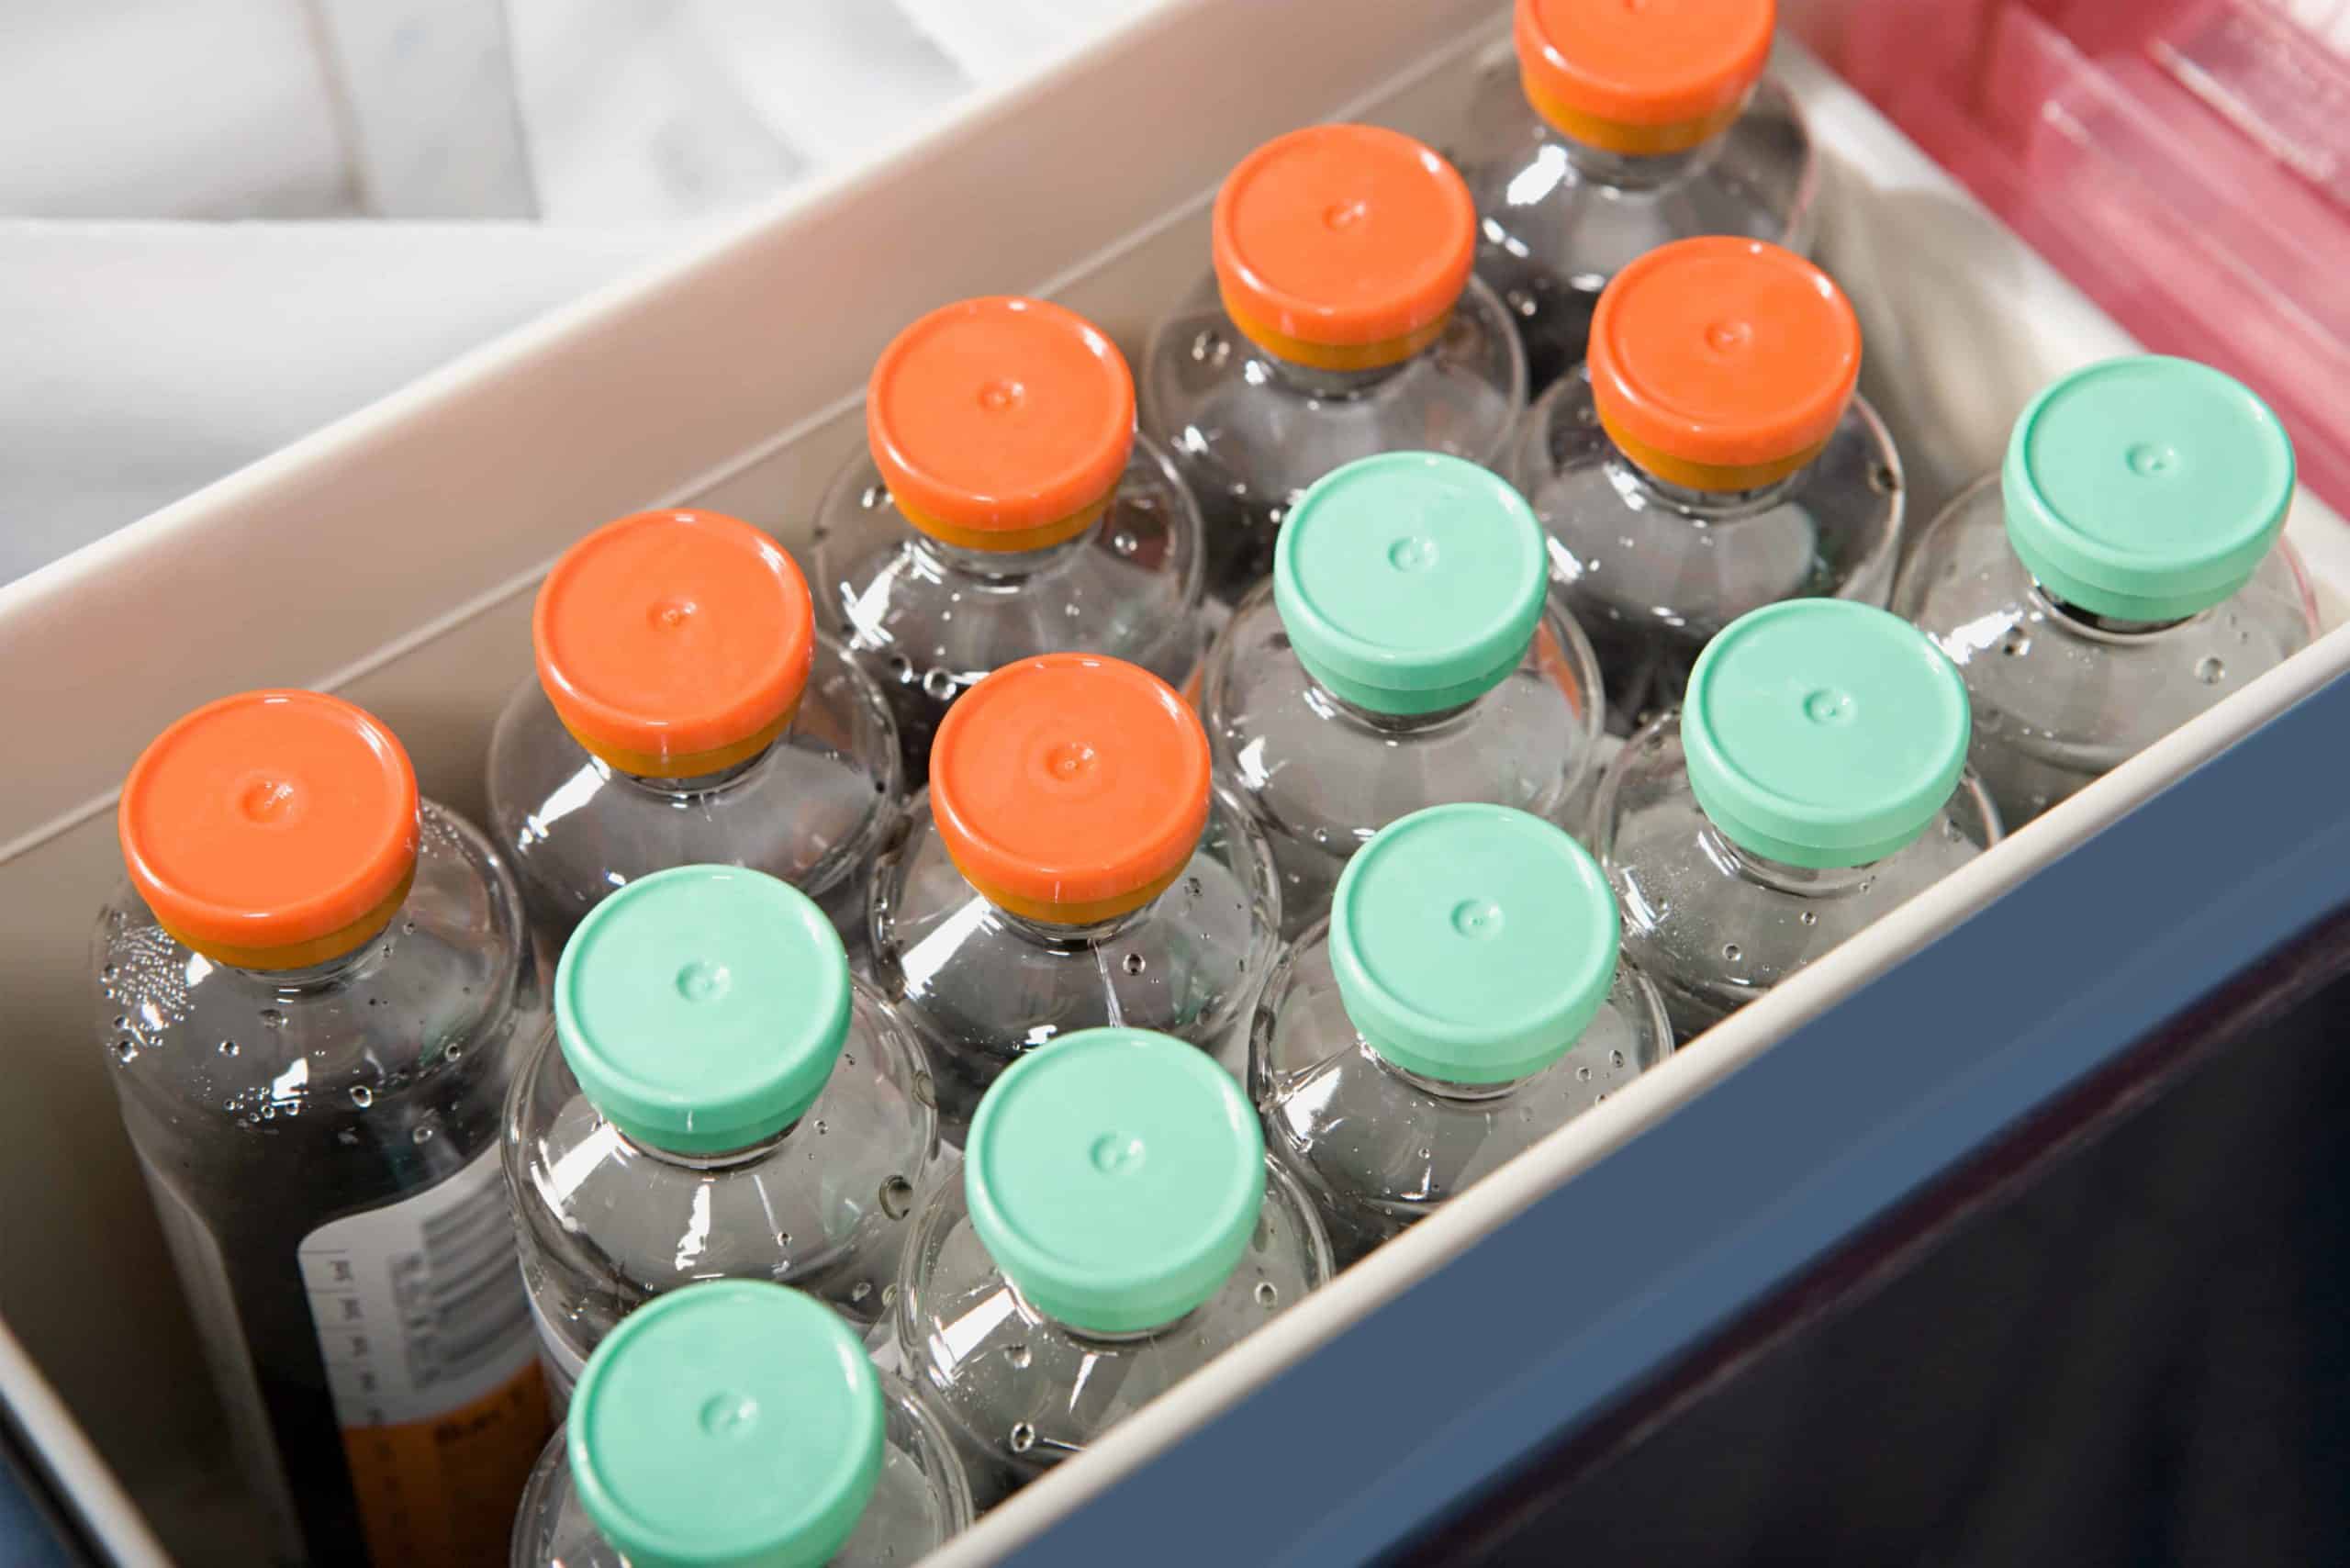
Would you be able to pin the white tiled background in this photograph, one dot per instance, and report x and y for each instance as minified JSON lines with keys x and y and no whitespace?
{"x":226,"y":222}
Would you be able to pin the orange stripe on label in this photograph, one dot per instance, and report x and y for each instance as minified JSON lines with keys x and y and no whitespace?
{"x":441,"y":1492}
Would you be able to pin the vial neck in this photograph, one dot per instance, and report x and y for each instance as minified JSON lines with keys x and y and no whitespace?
{"x":1800,"y":882}
{"x":1329,"y":705}
{"x":1328,"y":385}
{"x":1638,"y":171}
{"x":1444,"y":1088}
{"x":334,"y":974}
{"x":1069,"y":938}
{"x":693,"y":787}
{"x":2096,"y":627}
{"x":995,"y":567}
{"x":1643,"y":489}
{"x":723,"y":1160}
{"x":1094,"y":1338}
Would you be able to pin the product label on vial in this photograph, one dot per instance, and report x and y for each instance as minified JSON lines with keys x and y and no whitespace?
{"x":425,"y":1330}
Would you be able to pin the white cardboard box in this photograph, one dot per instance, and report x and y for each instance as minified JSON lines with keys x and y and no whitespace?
{"x":392,"y":557}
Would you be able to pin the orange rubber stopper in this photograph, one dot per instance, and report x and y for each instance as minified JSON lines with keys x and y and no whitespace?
{"x":1722,"y":364}
{"x":674,"y":643}
{"x":1642,"y":77}
{"x":272,"y":830}
{"x":1343,"y":247}
{"x":1069,"y":789}
{"x":1001,"y":423}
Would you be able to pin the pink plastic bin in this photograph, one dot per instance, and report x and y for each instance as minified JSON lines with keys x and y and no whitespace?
{"x":2186,"y":162}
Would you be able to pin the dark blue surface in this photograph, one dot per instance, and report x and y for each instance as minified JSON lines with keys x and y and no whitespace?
{"x":1533,"y":1331}
{"x":29,"y":1537}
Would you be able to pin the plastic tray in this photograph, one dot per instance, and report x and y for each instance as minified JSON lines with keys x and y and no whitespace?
{"x":393,"y":557}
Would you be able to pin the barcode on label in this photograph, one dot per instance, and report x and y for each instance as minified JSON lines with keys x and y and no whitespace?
{"x":458,"y":1297}
{"x":417,"y":1304}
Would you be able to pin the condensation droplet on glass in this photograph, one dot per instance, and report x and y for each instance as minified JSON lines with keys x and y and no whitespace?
{"x":1023,"y":1436}
{"x":126,"y":1052}
{"x":783,"y":1238}
{"x":362,"y":1096}
{"x":897,"y":1196}
{"x":271,"y":1018}
{"x":1125,"y":542}
{"x":1266,"y":1294}
{"x":1133,"y":964}
{"x":421,"y":1135}
{"x":2210,"y":671}
{"x":111,"y":969}
{"x":227,"y":1048}
{"x":2017,"y":642}
{"x":1883,"y":480}
{"x":1615,"y":1058}
{"x":860,"y":1290}
{"x":407,"y":927}
{"x":938,"y":686}
{"x":821,"y":1128}
{"x":1018,"y":1356}
{"x":122,"y":1020}
{"x":1731,"y":951}
{"x":1583,"y":1074}
{"x":1811,"y":917}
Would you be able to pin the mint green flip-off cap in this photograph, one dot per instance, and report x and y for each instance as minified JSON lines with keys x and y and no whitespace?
{"x":1822,"y":732}
{"x":1115,"y":1176}
{"x":2147,"y":489}
{"x":1410,"y":582}
{"x":733,"y":1423}
{"x":702,"y":1009}
{"x":1473,"y":944}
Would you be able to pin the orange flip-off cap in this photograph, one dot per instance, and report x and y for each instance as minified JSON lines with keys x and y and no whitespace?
{"x":674,"y":643}
{"x":1001,"y":423}
{"x":1069,"y":789}
{"x":272,"y":830}
{"x":1642,"y":77}
{"x":1343,"y":247}
{"x":1722,"y":364}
